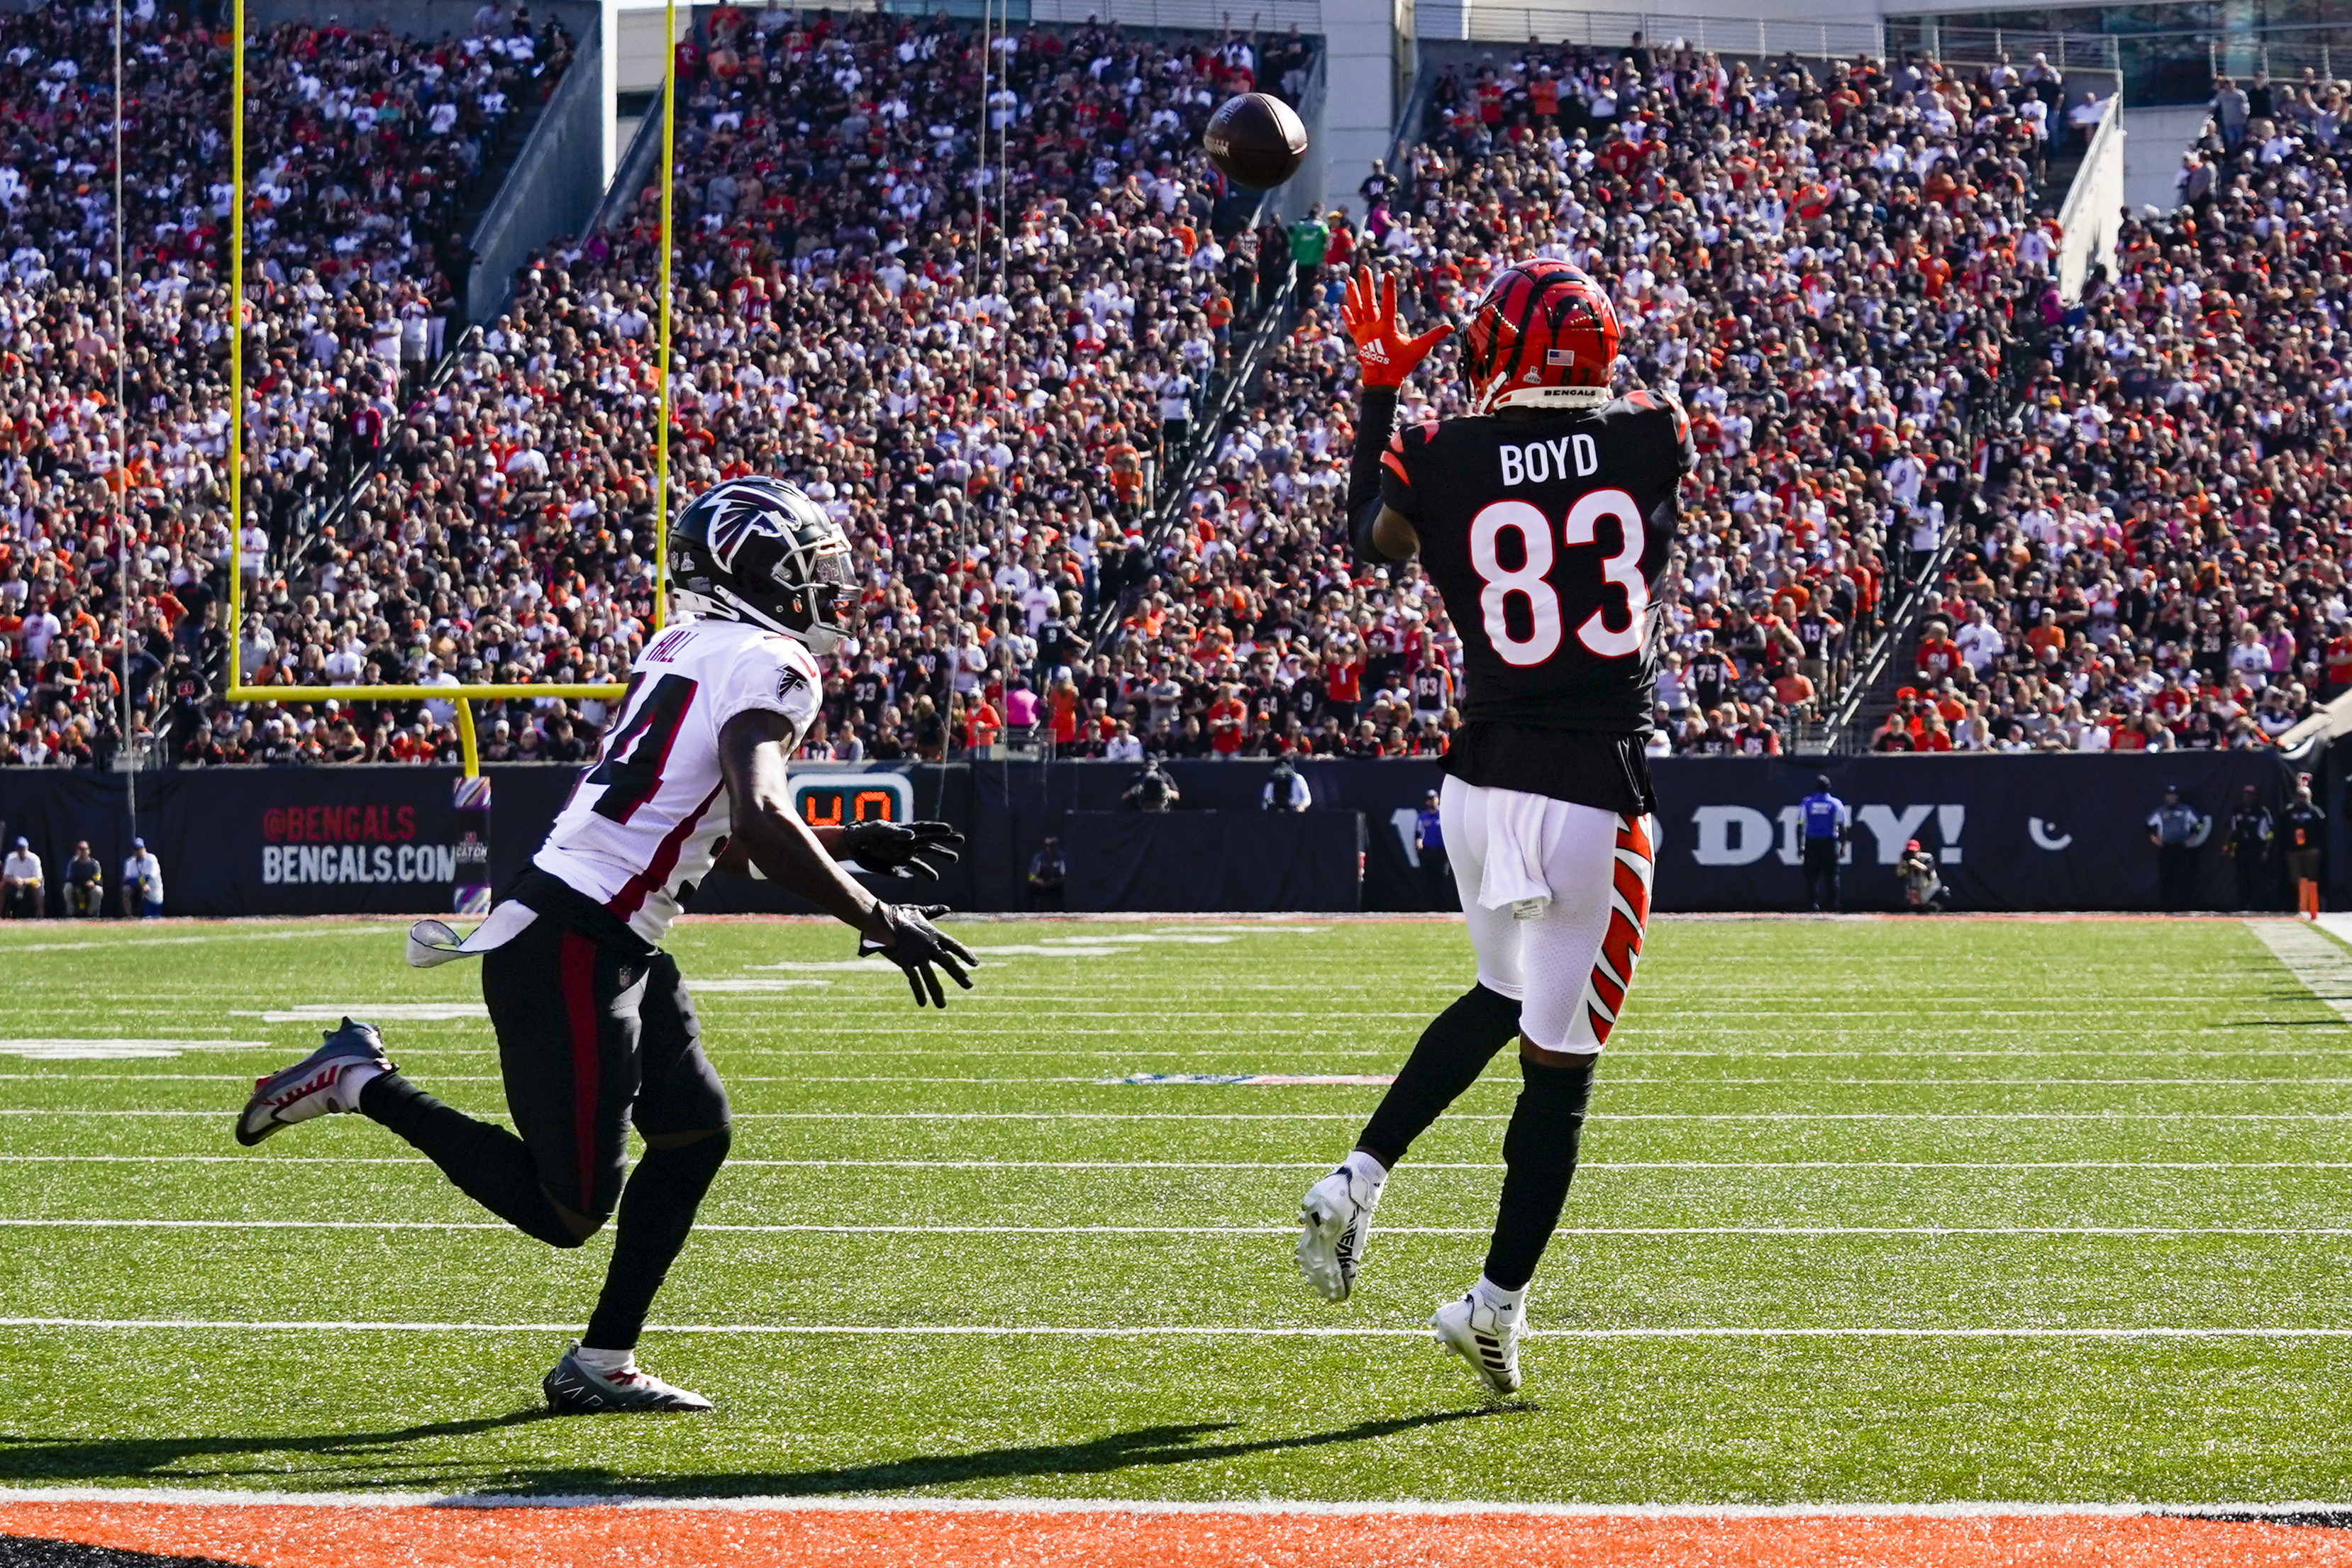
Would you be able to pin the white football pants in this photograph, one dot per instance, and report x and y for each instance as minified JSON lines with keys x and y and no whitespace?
{"x":1557,"y":900}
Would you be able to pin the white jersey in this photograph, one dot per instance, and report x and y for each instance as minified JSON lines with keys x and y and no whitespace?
{"x":643,"y":820}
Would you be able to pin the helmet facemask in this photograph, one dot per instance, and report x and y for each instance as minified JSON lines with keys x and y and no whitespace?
{"x":813,"y":585}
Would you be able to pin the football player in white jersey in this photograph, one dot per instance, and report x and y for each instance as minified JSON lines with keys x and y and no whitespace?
{"x":596,"y":1032}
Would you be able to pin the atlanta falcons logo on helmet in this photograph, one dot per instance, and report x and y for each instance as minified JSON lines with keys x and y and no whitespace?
{"x":758,"y":550}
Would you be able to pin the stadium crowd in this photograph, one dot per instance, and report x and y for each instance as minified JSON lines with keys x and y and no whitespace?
{"x":367,"y":150}
{"x":2170,"y":573}
{"x":972,"y":298}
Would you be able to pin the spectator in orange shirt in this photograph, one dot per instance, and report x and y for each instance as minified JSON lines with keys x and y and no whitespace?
{"x":1938,"y":657}
{"x":1228,"y":722}
{"x":2047,"y":638}
{"x":2339,"y":663}
{"x":983,"y":725}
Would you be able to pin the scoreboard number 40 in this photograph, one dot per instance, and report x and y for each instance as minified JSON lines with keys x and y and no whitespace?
{"x":840,"y":800}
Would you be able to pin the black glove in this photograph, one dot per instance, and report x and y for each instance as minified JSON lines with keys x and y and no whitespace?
{"x":903,"y":933}
{"x":890,"y":849}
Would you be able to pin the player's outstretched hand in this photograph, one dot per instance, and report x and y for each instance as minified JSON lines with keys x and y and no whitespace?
{"x":903,"y":933}
{"x":1384,"y":355}
{"x":908,"y":850}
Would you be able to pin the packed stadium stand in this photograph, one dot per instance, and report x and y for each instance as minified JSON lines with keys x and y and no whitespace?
{"x":2168,"y":571}
{"x":990,"y":324}
{"x":370,"y":154}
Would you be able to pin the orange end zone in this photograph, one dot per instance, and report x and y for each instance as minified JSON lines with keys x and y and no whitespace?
{"x":305,"y":1536}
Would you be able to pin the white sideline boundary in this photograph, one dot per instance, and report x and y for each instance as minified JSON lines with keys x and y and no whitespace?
{"x":1177,"y":1331}
{"x":2319,"y":966}
{"x":193,"y":1497}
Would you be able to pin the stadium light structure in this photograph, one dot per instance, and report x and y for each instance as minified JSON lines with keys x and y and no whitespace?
{"x":463,"y":696}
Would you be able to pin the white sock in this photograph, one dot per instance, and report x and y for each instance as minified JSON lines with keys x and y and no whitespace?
{"x":355,"y":1079}
{"x":606,"y":1361}
{"x":1363,"y":1164}
{"x":1510,"y":1303}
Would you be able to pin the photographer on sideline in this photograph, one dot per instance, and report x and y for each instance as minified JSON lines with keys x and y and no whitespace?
{"x":1923,"y":884}
{"x":20,"y":882}
{"x":142,"y":883}
{"x":1284,"y":789}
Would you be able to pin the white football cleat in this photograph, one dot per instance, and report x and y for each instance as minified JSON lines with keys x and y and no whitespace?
{"x":326,"y":1082}
{"x":575,"y":1388}
{"x":1336,"y":1223}
{"x":1485,"y":1337}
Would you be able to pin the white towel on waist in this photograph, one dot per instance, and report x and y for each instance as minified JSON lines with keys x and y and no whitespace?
{"x":432,"y":943}
{"x":1514,"y":876}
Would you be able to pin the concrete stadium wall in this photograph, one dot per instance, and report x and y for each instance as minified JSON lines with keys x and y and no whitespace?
{"x":2093,"y":207}
{"x":2154,"y":139}
{"x":554,"y":187}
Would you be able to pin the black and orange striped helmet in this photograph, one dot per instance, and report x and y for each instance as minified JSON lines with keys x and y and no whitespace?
{"x":1542,"y":336}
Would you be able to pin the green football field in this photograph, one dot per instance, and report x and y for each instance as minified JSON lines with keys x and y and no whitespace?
{"x":1863,"y":1208}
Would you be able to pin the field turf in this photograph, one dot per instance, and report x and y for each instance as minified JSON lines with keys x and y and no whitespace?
{"x":1807,"y":1128}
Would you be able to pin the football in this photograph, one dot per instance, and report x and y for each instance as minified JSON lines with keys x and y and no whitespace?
{"x":1255,"y":140}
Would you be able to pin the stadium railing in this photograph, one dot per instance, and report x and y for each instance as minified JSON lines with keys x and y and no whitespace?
{"x":1174,"y":16}
{"x":1481,"y":22}
{"x":1272,"y":326}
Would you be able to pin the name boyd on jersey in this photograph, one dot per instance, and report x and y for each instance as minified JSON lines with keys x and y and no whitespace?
{"x":1539,"y":462}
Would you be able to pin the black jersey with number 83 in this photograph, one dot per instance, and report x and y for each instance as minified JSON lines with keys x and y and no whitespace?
{"x":1547,"y":536}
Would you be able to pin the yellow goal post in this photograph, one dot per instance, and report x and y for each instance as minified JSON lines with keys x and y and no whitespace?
{"x":464,"y":695}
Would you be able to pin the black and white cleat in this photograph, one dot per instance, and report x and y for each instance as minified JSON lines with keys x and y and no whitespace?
{"x":575,"y":1388}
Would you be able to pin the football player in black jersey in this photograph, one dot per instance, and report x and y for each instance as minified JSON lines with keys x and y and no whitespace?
{"x":1544,"y":518}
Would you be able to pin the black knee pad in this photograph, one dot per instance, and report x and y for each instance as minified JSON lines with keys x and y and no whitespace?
{"x":1489,"y":1006}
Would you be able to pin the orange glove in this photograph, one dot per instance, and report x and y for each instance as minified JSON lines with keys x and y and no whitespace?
{"x":1384,"y":355}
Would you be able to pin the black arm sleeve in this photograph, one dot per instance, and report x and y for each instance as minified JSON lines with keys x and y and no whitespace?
{"x":1375,"y":423}
{"x":1375,"y":420}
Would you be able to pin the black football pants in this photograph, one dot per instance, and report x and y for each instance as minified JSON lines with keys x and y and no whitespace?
{"x":596,"y":1033}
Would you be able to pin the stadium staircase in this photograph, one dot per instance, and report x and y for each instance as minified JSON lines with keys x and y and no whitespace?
{"x":1889,"y":663}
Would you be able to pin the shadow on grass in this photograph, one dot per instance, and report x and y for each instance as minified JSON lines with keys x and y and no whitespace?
{"x":169,"y":1459}
{"x":44,"y":1460}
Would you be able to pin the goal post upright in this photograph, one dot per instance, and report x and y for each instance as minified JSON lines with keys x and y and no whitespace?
{"x":234,"y":559}
{"x":662,"y":372}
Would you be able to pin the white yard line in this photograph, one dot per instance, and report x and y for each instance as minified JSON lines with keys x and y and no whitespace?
{"x":2138,"y":1232}
{"x":1180,"y":1331}
{"x":11,"y":948}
